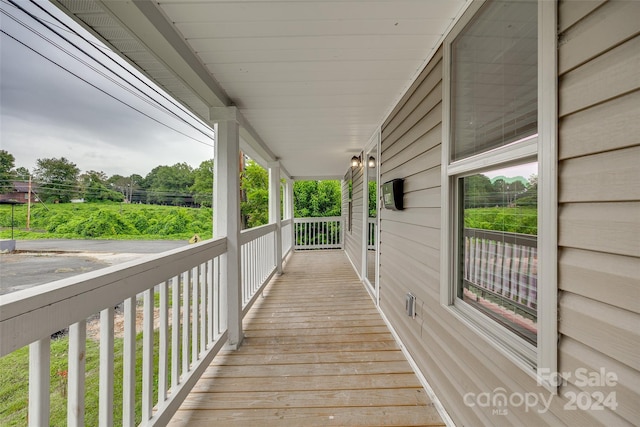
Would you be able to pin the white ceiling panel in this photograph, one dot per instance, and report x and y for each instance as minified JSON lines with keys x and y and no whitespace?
{"x":313,"y":10}
{"x":314,"y":78}
{"x":298,"y":28}
{"x":310,"y":55}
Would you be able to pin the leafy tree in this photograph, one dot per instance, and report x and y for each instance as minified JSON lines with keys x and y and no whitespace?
{"x":129,"y":186}
{"x":478,"y":191}
{"x":202,"y":188}
{"x":57,"y":179}
{"x":136,"y":191}
{"x":94,"y":188}
{"x":21,"y":173}
{"x":373,"y":194}
{"x":118,"y":183}
{"x":506,"y":192}
{"x":317,"y":198}
{"x":7,"y":163}
{"x":254,"y":181}
{"x":169,"y":185}
{"x":530,"y":195}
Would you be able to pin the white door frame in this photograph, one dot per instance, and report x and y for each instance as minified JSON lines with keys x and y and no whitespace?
{"x":372,"y":145}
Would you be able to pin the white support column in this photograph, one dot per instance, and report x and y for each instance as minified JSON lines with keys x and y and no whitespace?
{"x":226,"y":208}
{"x":289,"y":195}
{"x":285,"y":200}
{"x":274,"y":210}
{"x":365,"y":216}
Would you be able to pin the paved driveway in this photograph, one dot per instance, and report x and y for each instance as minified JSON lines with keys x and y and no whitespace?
{"x":42,"y":261}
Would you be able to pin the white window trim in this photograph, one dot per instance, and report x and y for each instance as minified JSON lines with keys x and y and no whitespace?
{"x":542,"y":360}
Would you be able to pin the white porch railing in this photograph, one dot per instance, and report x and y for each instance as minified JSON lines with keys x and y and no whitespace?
{"x":503,"y":265}
{"x":190,"y":321}
{"x":286,"y":226}
{"x":371,"y":233}
{"x":258,"y":260}
{"x":318,"y":233}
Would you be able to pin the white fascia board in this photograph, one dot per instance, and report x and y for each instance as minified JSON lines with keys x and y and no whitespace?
{"x":145,"y":22}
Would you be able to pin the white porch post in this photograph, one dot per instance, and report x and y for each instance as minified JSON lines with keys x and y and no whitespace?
{"x":285,"y":200}
{"x":226,"y":208}
{"x":289,"y":195}
{"x":289,"y":210}
{"x":274,"y":210}
{"x":365,"y":217}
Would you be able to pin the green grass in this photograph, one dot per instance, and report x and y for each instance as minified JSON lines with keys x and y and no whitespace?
{"x":14,"y":382}
{"x":512,"y":220}
{"x":119,"y":221}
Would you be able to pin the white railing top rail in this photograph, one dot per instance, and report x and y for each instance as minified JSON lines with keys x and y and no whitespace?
{"x":286,"y":222}
{"x":318,"y":219}
{"x":253,"y":233}
{"x":31,"y":314}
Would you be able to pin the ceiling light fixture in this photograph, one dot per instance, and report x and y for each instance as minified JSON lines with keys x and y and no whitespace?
{"x":355,"y":161}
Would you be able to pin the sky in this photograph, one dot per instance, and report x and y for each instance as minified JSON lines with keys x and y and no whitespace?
{"x":46,"y":112}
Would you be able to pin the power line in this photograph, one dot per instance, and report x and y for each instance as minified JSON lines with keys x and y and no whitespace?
{"x":100,"y":89}
{"x":73,"y":189}
{"x":115,"y":62}
{"x":145,"y":97}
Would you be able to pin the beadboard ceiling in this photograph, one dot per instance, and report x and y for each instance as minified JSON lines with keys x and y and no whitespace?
{"x":313,"y":78}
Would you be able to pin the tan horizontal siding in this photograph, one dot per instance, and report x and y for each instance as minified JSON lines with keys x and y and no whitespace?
{"x":427,"y":198}
{"x":463,"y":359}
{"x":574,"y":355}
{"x":418,"y":251}
{"x":424,"y":125}
{"x":404,"y":267}
{"x":599,"y":200}
{"x":353,"y":238}
{"x":599,"y":228}
{"x":429,"y":178}
{"x":602,"y":327}
{"x":404,"y":106}
{"x":428,"y":104}
{"x":606,"y":177}
{"x":427,"y":160}
{"x":609,"y":278}
{"x":603,"y":227}
{"x":426,"y":217}
{"x":572,"y":11}
{"x":427,"y":236}
{"x":615,"y":22}
{"x":608,"y":126}
{"x":610,"y":75}
{"x":414,"y":147}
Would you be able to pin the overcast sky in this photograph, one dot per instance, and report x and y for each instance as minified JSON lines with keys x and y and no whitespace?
{"x":46,"y":112}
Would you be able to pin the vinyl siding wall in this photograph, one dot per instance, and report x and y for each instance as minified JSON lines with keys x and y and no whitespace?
{"x":599,"y":230}
{"x":599,"y":198}
{"x":353,"y":238}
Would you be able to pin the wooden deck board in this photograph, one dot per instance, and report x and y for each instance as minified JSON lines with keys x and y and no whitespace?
{"x":316,"y":352}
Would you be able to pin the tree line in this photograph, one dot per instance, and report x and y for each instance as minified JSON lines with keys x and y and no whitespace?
{"x":480,"y":192}
{"x":59,"y":180}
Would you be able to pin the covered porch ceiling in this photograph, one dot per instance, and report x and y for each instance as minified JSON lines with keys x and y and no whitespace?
{"x":312,"y":78}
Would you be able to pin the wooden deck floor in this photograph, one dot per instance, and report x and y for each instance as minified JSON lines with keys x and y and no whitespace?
{"x":316,"y":353}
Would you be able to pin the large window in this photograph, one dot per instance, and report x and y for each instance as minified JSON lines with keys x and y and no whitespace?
{"x":498,"y":246}
{"x":491,"y":169}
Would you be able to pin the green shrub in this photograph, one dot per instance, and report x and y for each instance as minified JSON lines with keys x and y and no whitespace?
{"x":104,"y":223}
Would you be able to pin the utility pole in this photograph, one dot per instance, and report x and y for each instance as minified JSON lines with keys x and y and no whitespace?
{"x":29,"y":204}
